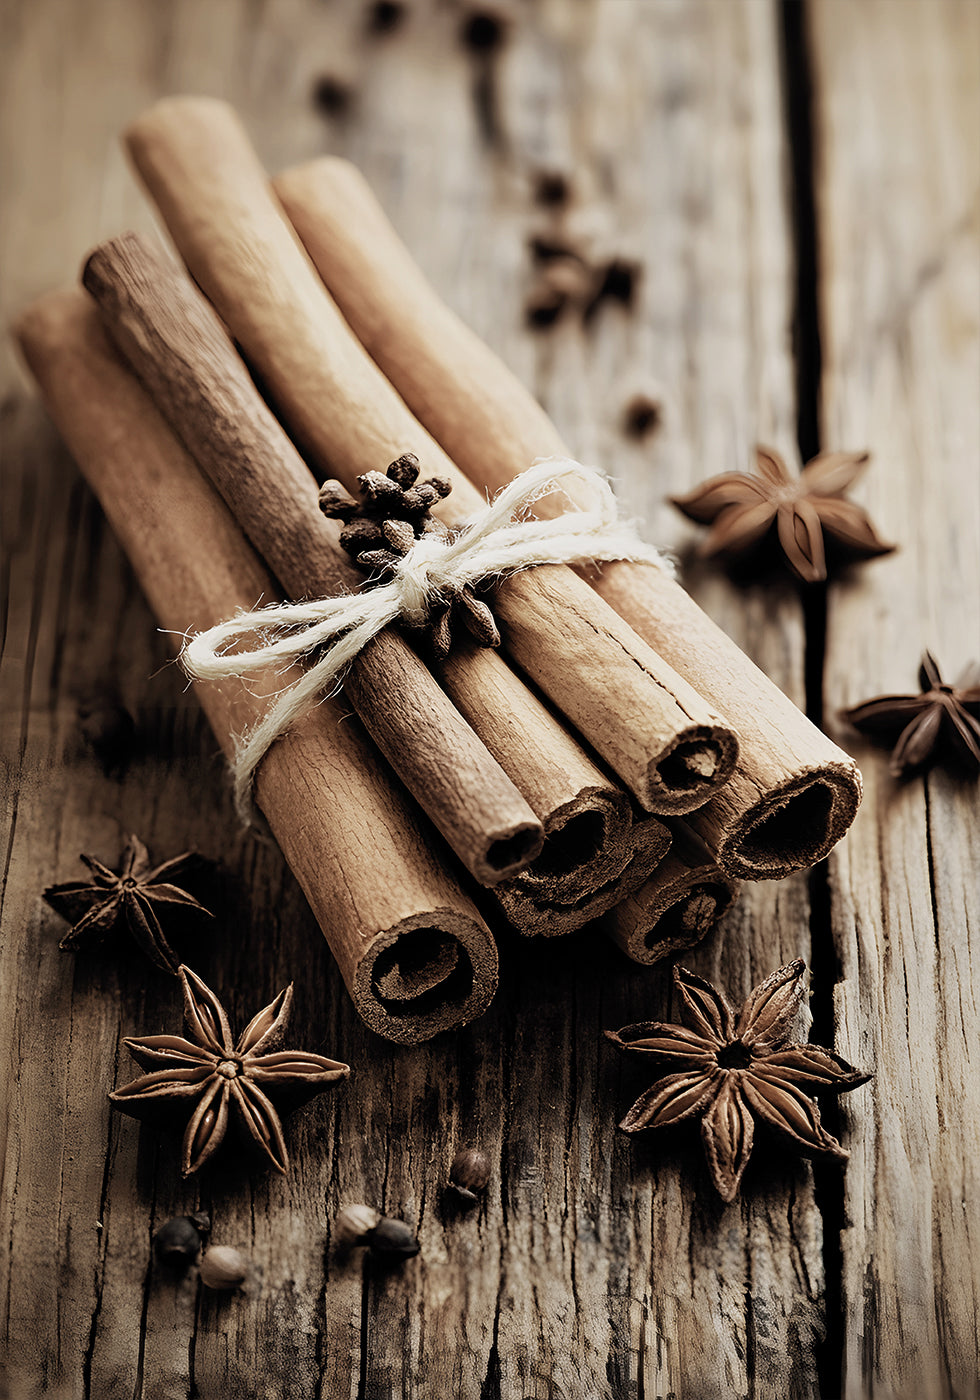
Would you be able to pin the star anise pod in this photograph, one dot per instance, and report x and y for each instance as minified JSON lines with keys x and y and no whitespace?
{"x":940,"y":722}
{"x":131,"y":897}
{"x":222,"y":1080}
{"x":381,"y":528}
{"x":742,"y":508}
{"x":733,"y":1070}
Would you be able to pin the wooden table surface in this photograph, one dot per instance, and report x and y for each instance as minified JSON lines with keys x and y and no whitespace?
{"x":799,"y":186}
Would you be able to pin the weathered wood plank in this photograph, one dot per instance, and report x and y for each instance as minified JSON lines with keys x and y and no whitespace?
{"x":597,"y":1266}
{"x":898,"y":129}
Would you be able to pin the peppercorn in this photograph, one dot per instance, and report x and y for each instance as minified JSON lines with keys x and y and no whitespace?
{"x":352,"y":1224}
{"x":223,"y":1268}
{"x":178,"y":1243}
{"x":469,"y":1173}
{"x":393,"y":1238}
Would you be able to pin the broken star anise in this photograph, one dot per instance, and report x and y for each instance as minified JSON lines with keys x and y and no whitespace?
{"x":130,"y":896}
{"x":741,"y":508}
{"x":733,"y":1070}
{"x":223,"y":1080}
{"x":381,"y":528}
{"x":942,"y":721}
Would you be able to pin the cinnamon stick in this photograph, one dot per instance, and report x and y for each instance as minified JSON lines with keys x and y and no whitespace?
{"x":669,"y":747}
{"x":174,"y":341}
{"x":413,"y":951}
{"x":793,"y":792}
{"x":534,"y":911}
{"x":677,"y":906}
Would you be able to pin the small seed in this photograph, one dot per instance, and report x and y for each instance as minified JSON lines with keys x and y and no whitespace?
{"x":332,"y":95}
{"x":393,"y":1238}
{"x":469,"y":1173}
{"x":641,"y":415}
{"x":352,"y":1224}
{"x":223,"y":1268}
{"x":178,"y":1243}
{"x":551,"y":188}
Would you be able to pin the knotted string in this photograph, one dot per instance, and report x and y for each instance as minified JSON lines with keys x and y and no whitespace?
{"x":499,"y":540}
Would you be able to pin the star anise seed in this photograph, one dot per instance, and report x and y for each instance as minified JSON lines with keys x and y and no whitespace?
{"x":941,"y":722}
{"x":742,"y":508}
{"x":223,"y":1080}
{"x":733,"y":1070}
{"x":130,"y":896}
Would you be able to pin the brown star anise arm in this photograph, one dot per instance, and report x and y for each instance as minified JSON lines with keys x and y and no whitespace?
{"x":727,"y":1132}
{"x":771,"y":1008}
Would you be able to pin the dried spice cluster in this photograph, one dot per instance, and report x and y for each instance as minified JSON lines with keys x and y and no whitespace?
{"x":732,"y":1070}
{"x":381,"y":528}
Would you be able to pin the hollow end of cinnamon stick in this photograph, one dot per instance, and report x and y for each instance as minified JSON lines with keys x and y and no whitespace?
{"x":425,"y":975}
{"x":535,"y":914}
{"x":672,"y":912}
{"x":790,"y":828}
{"x":696,"y":763}
{"x":586,"y":844}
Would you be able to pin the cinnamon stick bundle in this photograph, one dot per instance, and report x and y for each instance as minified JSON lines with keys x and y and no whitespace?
{"x":414,"y":953}
{"x":793,"y":792}
{"x":669,"y":747}
{"x":677,"y":906}
{"x":174,"y":341}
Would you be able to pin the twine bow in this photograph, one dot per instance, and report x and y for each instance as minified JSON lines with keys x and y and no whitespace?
{"x":500,"y":540}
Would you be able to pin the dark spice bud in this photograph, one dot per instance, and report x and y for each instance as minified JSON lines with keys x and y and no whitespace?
{"x":404,"y":470}
{"x":641,"y":415}
{"x":384,"y":16}
{"x":332,"y":95}
{"x":178,"y":1243}
{"x":551,"y":188}
{"x":393,"y":1238}
{"x":469,"y":1173}
{"x":337,"y":502}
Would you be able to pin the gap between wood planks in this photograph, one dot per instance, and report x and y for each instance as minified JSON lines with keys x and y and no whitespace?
{"x":798,"y":100}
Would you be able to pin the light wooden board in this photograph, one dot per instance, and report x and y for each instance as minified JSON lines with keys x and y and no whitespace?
{"x":898,"y":123}
{"x":599,"y":1266}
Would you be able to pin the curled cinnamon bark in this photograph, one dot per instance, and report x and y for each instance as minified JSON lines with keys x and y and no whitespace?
{"x":660,"y":737}
{"x":793,"y":793}
{"x":415,"y":954}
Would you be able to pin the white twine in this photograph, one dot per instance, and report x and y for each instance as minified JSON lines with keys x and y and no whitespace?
{"x":500,"y":540}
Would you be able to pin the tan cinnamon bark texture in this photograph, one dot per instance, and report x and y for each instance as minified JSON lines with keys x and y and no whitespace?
{"x":668,"y":745}
{"x":182,"y":354}
{"x":412,"y":949}
{"x":175,"y":342}
{"x":677,"y":906}
{"x":793,"y":793}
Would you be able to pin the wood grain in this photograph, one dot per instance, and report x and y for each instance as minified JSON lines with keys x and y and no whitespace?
{"x":596,"y":1266}
{"x":898,"y":131}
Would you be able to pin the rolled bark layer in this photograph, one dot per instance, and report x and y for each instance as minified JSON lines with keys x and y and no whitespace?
{"x":413,"y":951}
{"x":659,"y":736}
{"x":677,"y":906}
{"x":182,"y":354}
{"x":586,"y":818}
{"x":793,"y":792}
{"x":534,"y":913}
